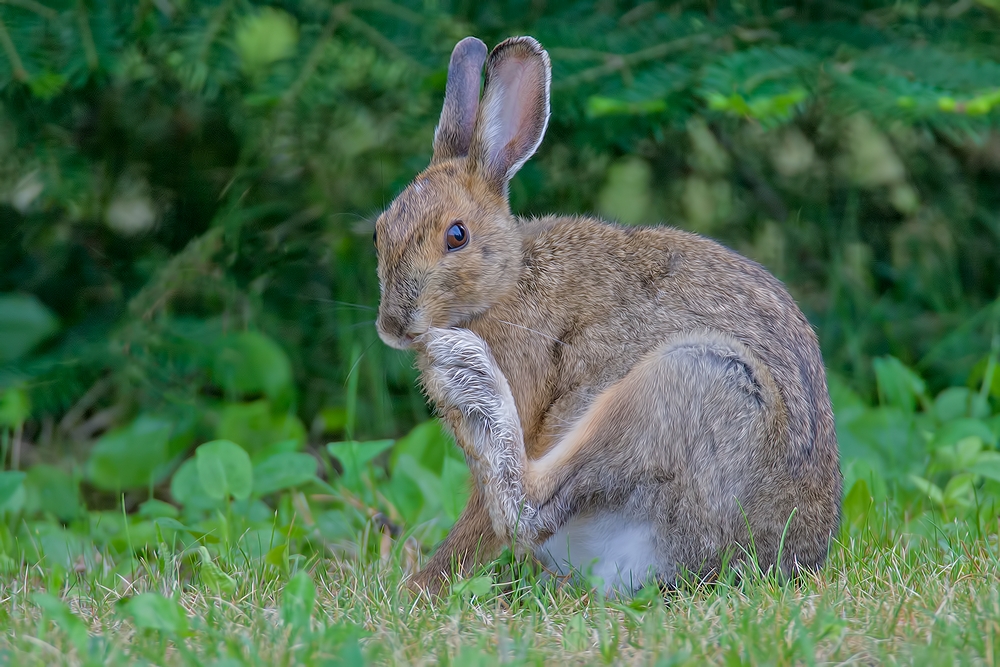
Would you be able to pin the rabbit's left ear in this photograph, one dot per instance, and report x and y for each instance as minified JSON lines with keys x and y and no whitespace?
{"x":461,"y":100}
{"x":514,"y":111}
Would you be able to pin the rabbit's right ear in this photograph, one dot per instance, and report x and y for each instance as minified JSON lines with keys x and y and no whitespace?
{"x":461,"y":100}
{"x":514,"y":112}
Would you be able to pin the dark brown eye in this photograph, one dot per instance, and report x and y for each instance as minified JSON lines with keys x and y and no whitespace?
{"x":374,"y":238}
{"x":457,"y":236}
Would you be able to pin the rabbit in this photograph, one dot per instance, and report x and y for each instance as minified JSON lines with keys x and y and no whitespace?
{"x":639,"y":403}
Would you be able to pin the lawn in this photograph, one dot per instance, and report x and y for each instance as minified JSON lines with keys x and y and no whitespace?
{"x":922,"y":593}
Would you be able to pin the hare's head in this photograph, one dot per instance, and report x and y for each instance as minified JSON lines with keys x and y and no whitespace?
{"x":448,"y":246}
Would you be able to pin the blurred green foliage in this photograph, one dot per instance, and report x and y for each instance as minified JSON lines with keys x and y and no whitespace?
{"x":187,"y":192}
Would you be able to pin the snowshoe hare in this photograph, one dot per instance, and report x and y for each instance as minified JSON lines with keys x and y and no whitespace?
{"x":635,"y":402}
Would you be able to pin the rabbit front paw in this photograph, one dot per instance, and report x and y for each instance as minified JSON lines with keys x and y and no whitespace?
{"x":462,"y":376}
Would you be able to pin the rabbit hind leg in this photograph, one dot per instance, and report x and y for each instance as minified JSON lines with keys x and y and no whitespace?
{"x":653,"y":473}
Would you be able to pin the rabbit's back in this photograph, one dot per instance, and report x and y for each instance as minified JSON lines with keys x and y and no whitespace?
{"x":595,"y":298}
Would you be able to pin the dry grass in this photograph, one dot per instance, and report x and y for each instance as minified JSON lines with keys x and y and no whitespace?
{"x":885,"y":597}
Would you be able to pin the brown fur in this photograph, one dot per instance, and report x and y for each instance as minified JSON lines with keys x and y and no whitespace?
{"x":646,"y":368}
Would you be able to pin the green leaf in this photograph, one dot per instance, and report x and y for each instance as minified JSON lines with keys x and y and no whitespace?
{"x":475,"y":586}
{"x":49,"y":489}
{"x":426,"y":443}
{"x":354,"y":456}
{"x":599,"y":105}
{"x":988,"y":465}
{"x":958,"y":489}
{"x":857,"y":502}
{"x":929,"y":489}
{"x":15,"y":407}
{"x":297,"y":601}
{"x":157,"y":509}
{"x":24,"y":323}
{"x":251,"y":363}
{"x":10,"y":482}
{"x":224,"y":470}
{"x":282,"y":471}
{"x":257,"y":426}
{"x":454,"y":487}
{"x":264,"y":37}
{"x":958,"y":402}
{"x":285,"y":446}
{"x":960,"y":429}
{"x":152,"y":611}
{"x":898,"y":386}
{"x":213,"y":577}
{"x":137,"y":455}
{"x":59,"y":612}
{"x":186,"y":488}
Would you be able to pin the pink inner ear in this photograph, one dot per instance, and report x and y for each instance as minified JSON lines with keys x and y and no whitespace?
{"x":517,"y":113}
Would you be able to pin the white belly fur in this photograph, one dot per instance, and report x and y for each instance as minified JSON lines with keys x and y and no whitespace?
{"x":616,"y":547}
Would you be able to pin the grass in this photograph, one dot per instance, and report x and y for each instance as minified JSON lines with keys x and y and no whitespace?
{"x":913,"y":594}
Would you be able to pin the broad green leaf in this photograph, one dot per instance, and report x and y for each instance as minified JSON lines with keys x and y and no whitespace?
{"x":24,"y":323}
{"x":958,"y":402}
{"x":53,"y":545}
{"x":285,"y":446}
{"x":60,"y":613}
{"x":264,"y":37}
{"x":224,"y":470}
{"x":186,"y":488}
{"x":929,"y":489}
{"x":10,"y":482}
{"x":157,"y":509}
{"x":152,"y":611}
{"x":857,"y":502}
{"x":476,"y":586}
{"x":15,"y":407}
{"x":430,"y":485}
{"x":251,"y":363}
{"x":454,"y":487}
{"x":354,"y":456}
{"x":297,"y":601}
{"x":598,"y":106}
{"x":898,"y":386}
{"x":960,"y":429}
{"x":282,"y":471}
{"x":49,"y":489}
{"x":958,"y":488}
{"x":257,"y":426}
{"x":212,"y":575}
{"x":426,"y":443}
{"x":137,"y":455}
{"x":987,"y":465}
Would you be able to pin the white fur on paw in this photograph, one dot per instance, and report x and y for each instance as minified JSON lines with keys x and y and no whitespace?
{"x":462,"y":374}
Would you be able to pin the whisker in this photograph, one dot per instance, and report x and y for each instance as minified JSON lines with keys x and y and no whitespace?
{"x":553,"y":339}
{"x":361,"y":324}
{"x":347,"y":304}
{"x":358,"y":361}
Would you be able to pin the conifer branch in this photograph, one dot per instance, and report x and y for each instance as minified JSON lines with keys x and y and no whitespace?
{"x":214,"y":26}
{"x":337,"y":16}
{"x":87,"y":37}
{"x":16,"y":66}
{"x":619,"y":63}
{"x":32,"y":6}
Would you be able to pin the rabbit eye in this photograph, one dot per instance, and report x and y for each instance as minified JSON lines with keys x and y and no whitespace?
{"x":457,"y":236}
{"x":375,"y":238}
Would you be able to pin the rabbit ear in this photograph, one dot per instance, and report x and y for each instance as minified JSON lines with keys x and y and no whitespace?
{"x":461,"y":100}
{"x":515,"y":109}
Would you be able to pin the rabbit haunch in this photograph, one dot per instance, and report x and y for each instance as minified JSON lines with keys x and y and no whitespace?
{"x":628,"y":399}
